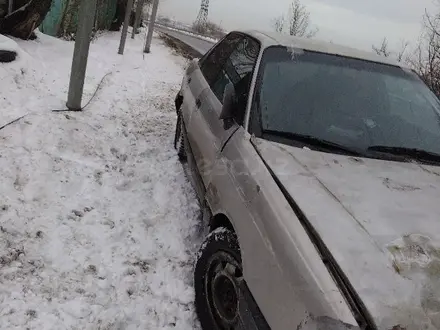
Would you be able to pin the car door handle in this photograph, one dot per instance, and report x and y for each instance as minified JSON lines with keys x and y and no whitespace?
{"x":198,"y":103}
{"x":189,"y":80}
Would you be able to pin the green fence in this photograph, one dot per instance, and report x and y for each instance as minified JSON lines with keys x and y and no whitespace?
{"x":62,"y":18}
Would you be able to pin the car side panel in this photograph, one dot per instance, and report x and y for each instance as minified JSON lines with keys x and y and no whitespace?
{"x":203,"y":141}
{"x":193,"y":85}
{"x":284,"y":272}
{"x":211,"y":136}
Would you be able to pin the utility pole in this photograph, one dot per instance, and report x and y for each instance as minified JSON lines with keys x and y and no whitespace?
{"x":137,"y":20}
{"x":151,"y":26}
{"x":125,"y":27}
{"x":80,"y":55}
{"x":10,"y":6}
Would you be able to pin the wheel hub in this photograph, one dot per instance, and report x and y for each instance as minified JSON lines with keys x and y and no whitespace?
{"x":225,"y":297}
{"x":223,"y":290}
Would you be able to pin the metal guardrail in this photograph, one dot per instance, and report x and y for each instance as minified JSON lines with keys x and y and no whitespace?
{"x":188,"y":31}
{"x":198,"y":44}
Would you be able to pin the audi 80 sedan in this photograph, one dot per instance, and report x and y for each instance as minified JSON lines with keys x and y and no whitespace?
{"x":317,"y":169}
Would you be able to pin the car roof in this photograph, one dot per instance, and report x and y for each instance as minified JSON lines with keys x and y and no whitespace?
{"x":269,"y":39}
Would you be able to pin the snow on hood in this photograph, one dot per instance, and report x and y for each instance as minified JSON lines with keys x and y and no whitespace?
{"x":381,"y":222}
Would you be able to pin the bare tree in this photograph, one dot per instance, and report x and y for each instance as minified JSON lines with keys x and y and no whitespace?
{"x":426,"y":57}
{"x":209,"y":29}
{"x":298,"y":21}
{"x":382,"y":50}
{"x":402,"y":52}
{"x":279,"y":23}
{"x":25,"y":18}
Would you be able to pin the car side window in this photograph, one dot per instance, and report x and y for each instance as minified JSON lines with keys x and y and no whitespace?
{"x":238,"y":69}
{"x":213,"y":62}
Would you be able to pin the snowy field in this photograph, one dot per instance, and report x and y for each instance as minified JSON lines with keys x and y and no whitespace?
{"x":98,"y":223}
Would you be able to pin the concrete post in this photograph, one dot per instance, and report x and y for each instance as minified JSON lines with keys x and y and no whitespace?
{"x":80,"y":55}
{"x":151,"y":26}
{"x":137,"y":20}
{"x":125,"y":27}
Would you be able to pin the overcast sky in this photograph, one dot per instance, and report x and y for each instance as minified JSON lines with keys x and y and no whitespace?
{"x":358,"y":23}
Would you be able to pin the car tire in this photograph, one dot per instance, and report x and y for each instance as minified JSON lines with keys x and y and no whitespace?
{"x":179,"y":140}
{"x":217,"y":275}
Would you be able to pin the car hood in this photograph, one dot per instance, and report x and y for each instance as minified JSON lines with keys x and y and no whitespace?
{"x":381,"y":222}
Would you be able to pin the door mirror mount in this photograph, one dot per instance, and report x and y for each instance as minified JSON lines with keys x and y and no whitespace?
{"x":228,"y":103}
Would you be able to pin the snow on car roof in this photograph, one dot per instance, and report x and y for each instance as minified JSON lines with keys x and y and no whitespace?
{"x":274,"y":39}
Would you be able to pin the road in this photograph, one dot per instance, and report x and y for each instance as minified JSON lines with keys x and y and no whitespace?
{"x":200,"y":45}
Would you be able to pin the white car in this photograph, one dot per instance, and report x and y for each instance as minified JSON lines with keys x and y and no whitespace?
{"x":318,"y":169}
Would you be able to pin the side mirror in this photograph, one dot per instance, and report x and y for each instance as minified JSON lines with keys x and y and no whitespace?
{"x":228,"y":103}
{"x":228,"y":108}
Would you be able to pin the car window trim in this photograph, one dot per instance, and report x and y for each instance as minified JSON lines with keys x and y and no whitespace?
{"x":252,"y":91}
{"x":255,"y":70}
{"x":252,"y":106}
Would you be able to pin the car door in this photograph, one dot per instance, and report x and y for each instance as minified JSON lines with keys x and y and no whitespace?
{"x":197,"y":75}
{"x":210,"y":134}
{"x":193,"y":85}
{"x":206,"y":73}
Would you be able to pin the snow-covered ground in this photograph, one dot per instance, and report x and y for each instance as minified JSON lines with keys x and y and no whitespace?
{"x":98,"y":223}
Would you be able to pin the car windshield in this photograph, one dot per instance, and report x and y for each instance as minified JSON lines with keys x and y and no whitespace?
{"x":353,"y":103}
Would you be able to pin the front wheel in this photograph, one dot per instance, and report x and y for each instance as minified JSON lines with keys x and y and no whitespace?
{"x":179,"y":139}
{"x":217,"y":275}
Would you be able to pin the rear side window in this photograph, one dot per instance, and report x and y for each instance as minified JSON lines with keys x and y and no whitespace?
{"x":213,"y":62}
{"x":238,"y":69}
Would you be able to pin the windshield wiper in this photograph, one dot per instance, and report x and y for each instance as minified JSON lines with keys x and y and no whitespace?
{"x":315,"y":142}
{"x":413,"y":153}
